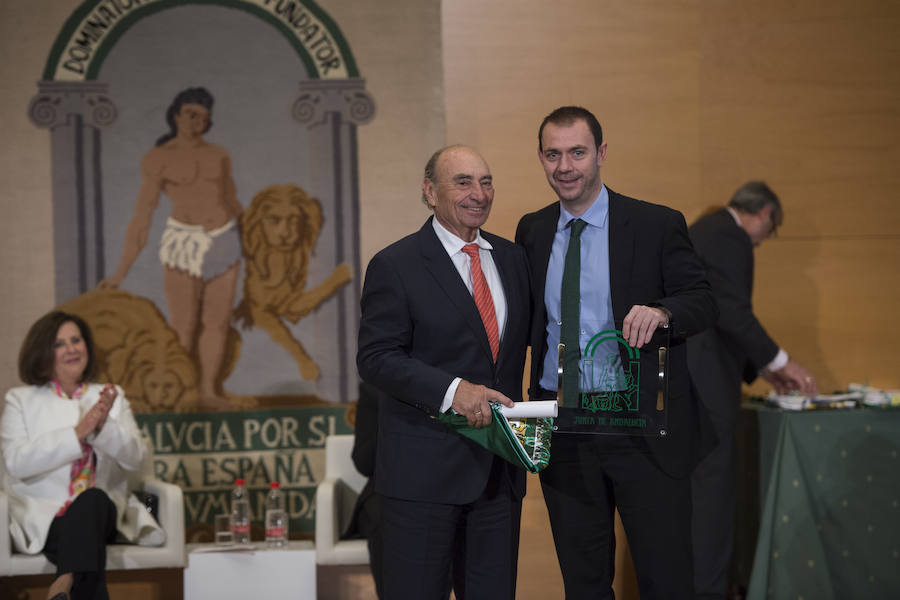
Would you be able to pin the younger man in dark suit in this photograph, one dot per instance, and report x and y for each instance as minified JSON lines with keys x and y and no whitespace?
{"x":737,"y":348}
{"x":444,"y":325}
{"x":637,"y":266}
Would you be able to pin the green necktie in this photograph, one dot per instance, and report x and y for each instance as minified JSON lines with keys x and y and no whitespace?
{"x":570,"y":297}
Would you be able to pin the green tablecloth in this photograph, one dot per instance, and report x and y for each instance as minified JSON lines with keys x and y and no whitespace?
{"x":830,"y":523}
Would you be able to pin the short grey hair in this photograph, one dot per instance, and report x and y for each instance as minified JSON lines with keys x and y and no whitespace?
{"x":430,"y":173}
{"x":753,"y":196}
{"x":431,"y":169}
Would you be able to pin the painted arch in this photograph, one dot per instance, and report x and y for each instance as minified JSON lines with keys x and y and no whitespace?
{"x":96,"y":25}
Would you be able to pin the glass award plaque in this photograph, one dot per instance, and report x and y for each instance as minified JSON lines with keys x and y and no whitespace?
{"x":622,"y":390}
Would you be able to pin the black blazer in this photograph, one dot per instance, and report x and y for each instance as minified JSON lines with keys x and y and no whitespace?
{"x":737,"y":347}
{"x":651,"y":262}
{"x":419,"y":329}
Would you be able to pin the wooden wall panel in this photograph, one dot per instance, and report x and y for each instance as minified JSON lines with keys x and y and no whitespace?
{"x":831,"y":303}
{"x":805,"y":96}
{"x":507,"y":64}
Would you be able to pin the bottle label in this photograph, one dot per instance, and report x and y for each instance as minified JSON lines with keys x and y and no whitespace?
{"x":241,"y":528}
{"x":275,"y":532}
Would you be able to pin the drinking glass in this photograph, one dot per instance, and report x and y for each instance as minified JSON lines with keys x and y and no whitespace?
{"x":224,"y":536}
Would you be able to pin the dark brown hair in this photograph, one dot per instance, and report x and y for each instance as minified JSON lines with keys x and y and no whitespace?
{"x":37,"y":355}
{"x":197,"y":95}
{"x":567,"y":115}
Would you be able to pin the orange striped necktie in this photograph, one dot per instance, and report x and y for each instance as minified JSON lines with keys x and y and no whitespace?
{"x":483,"y":299}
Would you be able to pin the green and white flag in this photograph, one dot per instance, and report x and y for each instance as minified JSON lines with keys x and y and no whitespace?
{"x":522,"y":440}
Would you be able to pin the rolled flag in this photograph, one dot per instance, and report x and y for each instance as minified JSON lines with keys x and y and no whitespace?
{"x":522,"y":436}
{"x":534,"y":408}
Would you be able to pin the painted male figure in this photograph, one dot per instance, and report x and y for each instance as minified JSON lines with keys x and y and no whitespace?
{"x":637,"y":267}
{"x":444,"y":325}
{"x":737,"y":348}
{"x":201,"y":248}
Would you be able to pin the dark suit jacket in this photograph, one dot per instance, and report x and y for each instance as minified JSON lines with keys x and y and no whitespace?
{"x":651,"y":262}
{"x":418,"y":330}
{"x":738,"y":346}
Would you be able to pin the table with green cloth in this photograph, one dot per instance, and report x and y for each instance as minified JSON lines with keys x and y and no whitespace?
{"x":829,"y":484}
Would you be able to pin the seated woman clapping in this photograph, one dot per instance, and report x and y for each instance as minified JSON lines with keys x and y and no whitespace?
{"x":67,"y":444}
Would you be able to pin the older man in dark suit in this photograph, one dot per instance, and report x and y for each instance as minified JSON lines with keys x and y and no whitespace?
{"x":636,"y":266}
{"x":444,"y":326}
{"x":737,"y":348}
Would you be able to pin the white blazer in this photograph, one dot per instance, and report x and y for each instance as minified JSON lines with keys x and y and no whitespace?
{"x":38,"y":442}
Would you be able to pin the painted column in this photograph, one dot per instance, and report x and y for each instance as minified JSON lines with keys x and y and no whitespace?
{"x":75,"y":113}
{"x":331,"y":110}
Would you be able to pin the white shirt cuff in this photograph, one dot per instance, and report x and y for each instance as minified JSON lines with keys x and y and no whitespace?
{"x":448,"y":395}
{"x":779,"y":361}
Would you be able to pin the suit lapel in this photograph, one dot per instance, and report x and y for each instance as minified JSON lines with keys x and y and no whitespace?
{"x":621,"y":252}
{"x":438,"y":263}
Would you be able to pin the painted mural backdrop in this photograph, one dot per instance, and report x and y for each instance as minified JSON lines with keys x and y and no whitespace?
{"x":206,"y":222}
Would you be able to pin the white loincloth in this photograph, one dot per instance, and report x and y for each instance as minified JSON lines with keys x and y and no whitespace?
{"x":187,"y":248}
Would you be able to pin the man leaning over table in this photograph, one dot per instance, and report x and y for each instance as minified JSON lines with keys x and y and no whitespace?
{"x":737,"y":348}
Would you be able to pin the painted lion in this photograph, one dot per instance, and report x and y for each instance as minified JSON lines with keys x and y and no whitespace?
{"x":278,"y":232}
{"x":138,"y":350}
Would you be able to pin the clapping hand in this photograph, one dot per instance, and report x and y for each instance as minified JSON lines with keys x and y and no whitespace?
{"x":95,"y":417}
{"x":107,"y":397}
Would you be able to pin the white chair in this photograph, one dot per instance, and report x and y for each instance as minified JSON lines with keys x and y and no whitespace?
{"x":118,"y":556}
{"x":335,"y":498}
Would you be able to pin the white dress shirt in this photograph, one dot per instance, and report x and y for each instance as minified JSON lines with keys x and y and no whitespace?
{"x":453,"y":244}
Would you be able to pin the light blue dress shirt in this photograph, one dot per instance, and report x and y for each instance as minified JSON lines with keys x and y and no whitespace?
{"x":596,"y":314}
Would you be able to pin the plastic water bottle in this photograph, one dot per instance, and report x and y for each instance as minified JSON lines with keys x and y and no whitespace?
{"x":276,"y":517}
{"x":240,"y":513}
